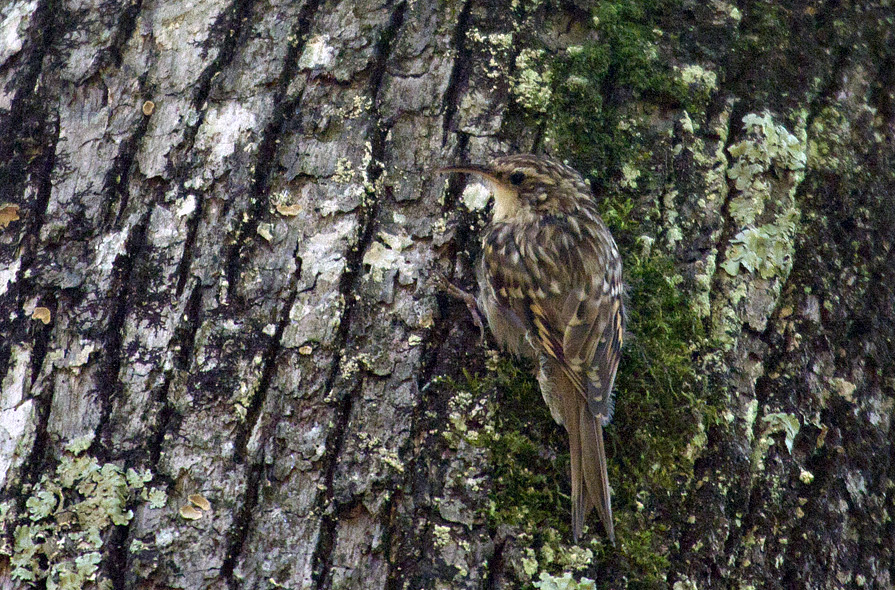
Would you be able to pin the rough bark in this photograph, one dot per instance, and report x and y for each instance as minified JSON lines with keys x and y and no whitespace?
{"x":224,"y":363}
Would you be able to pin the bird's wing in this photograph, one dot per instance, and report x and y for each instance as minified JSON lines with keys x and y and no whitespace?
{"x":569,"y":301}
{"x":592,"y":326}
{"x":583,"y":327}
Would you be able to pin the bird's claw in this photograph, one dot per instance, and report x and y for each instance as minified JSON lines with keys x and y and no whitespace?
{"x":468,"y":298}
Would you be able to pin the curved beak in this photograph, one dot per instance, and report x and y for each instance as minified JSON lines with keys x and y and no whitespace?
{"x":482,"y":171}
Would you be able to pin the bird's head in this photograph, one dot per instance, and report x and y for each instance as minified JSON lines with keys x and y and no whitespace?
{"x":529,"y":183}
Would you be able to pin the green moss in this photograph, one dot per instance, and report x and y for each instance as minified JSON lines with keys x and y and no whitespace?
{"x":68,"y":517}
{"x":624,"y":58}
{"x":527,"y":478}
{"x":663,"y":403}
{"x":659,"y":384}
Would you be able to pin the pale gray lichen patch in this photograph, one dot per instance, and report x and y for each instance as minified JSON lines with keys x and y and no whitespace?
{"x":383,"y":258}
{"x":316,"y":314}
{"x":767,"y":167}
{"x":8,"y":275}
{"x":317,"y":54}
{"x":565,"y":582}
{"x":224,"y":127}
{"x":475,"y":196}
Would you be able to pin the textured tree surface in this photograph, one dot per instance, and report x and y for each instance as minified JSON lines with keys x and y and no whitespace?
{"x":225,"y":363}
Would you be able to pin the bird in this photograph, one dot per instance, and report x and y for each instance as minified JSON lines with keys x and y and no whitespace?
{"x":551,"y":289}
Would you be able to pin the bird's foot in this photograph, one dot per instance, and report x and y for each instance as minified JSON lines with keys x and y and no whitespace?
{"x":468,"y":298}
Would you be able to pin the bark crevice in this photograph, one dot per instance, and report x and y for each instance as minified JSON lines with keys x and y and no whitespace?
{"x":123,"y":287}
{"x":459,"y":73}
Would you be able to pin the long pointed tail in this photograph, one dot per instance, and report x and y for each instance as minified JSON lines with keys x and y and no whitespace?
{"x":590,"y":480}
{"x":593,"y":466}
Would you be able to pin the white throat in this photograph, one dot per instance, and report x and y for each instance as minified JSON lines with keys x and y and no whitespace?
{"x":506,"y":200}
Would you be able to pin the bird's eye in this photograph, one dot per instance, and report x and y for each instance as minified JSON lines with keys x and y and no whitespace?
{"x":516,"y":178}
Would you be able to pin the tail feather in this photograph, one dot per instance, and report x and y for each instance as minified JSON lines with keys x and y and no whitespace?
{"x":579,"y":498}
{"x":593,"y":461}
{"x":590,"y":481}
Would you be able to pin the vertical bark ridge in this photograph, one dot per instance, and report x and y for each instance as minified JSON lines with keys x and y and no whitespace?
{"x":328,"y":505}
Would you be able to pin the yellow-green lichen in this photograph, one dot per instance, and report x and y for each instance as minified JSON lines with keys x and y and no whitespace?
{"x":768,"y":165}
{"x":695,"y":74}
{"x":442,"y":535}
{"x":774,"y":423}
{"x":531,"y":83}
{"x":565,"y":582}
{"x":68,"y":515}
{"x":765,"y":250}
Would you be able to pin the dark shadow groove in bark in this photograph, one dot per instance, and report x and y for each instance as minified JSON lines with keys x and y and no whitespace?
{"x":30,"y":241}
{"x":127,"y":24}
{"x":233,"y":262}
{"x":430,"y":362}
{"x":115,"y":562}
{"x":239,"y":531}
{"x":233,"y":259}
{"x":110,"y":387}
{"x":269,"y":144}
{"x":456,"y":182}
{"x":264,"y":165}
{"x":19,"y":327}
{"x":269,"y":364}
{"x":117,"y":181}
{"x":168,"y":418}
{"x":464,"y":246}
{"x":230,"y":27}
{"x":40,"y":342}
{"x":383,"y":51}
{"x":727,"y":230}
{"x":185,"y":264}
{"x":16,"y":328}
{"x":882,"y":95}
{"x":320,"y":563}
{"x":889,"y":531}
{"x":243,"y":518}
{"x":459,"y":73}
{"x":388,"y":535}
{"x":122,"y":290}
{"x":36,"y":462}
{"x":746,"y":511}
{"x":494,"y":567}
{"x":24,"y":101}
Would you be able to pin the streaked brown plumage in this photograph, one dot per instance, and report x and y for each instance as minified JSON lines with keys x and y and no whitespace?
{"x":550,"y":282}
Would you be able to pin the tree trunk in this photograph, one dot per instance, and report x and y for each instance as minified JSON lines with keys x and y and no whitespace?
{"x":225,"y":362}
